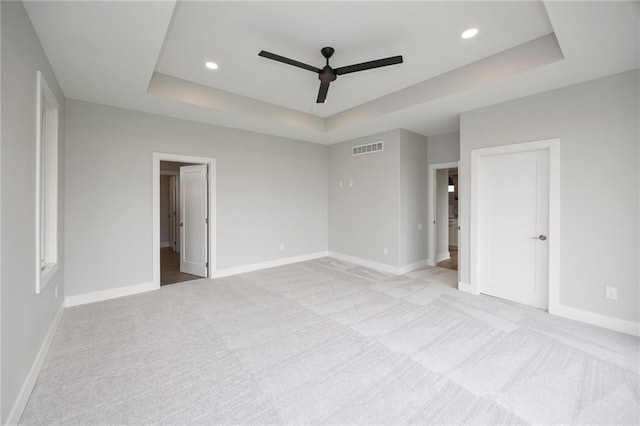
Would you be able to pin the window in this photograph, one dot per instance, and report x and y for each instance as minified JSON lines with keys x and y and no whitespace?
{"x":46,"y":184}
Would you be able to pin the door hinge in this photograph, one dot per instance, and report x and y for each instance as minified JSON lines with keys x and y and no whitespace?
{"x":206,"y":264}
{"x":206,"y":220}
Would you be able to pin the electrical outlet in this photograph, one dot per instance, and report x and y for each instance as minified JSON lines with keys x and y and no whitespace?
{"x":55,"y":292}
{"x":419,"y":227}
{"x":611,"y":293}
{"x":350,"y":183}
{"x":340,"y":184}
{"x":385,"y":250}
{"x":281,"y":246}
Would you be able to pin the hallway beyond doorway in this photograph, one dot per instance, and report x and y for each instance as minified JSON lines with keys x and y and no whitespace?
{"x":452,"y":262}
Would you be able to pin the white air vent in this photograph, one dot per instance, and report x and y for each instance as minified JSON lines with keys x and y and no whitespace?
{"x":368,"y":148}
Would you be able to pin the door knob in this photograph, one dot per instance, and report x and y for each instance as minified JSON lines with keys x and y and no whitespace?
{"x":540,"y":237}
{"x":181,"y":224}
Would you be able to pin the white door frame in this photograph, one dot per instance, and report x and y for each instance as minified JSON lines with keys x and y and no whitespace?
{"x":477,"y":155}
{"x":433,"y":179}
{"x":211,"y":163}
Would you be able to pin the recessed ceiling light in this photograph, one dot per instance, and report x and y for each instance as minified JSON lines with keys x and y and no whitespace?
{"x":211,"y":65}
{"x":470,"y":33}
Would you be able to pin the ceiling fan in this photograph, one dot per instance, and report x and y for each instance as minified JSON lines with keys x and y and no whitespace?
{"x":328,"y":74}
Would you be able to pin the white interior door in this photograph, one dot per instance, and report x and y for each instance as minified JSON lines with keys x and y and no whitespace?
{"x":193,"y":216}
{"x":173,"y":213}
{"x":513,"y":225}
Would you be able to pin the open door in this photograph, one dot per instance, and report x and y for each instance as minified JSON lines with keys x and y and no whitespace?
{"x":194,"y":220}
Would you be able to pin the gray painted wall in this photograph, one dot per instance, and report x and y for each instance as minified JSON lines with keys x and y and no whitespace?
{"x":413,"y":197}
{"x":597,"y":123}
{"x":364,"y":218}
{"x":386,"y":202}
{"x":26,"y":316}
{"x":270,"y":190}
{"x":444,"y":148}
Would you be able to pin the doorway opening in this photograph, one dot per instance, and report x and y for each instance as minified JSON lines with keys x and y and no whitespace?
{"x":183,"y":218}
{"x":443,"y":215}
{"x":172,"y":267}
{"x":447,"y":210}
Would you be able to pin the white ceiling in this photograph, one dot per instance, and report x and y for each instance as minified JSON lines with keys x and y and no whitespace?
{"x":149,"y":56}
{"x":427,"y":34}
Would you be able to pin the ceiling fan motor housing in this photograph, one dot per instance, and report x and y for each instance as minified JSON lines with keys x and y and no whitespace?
{"x":327,"y":74}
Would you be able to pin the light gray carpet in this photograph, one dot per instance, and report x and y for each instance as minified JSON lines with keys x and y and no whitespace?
{"x":329,"y":342}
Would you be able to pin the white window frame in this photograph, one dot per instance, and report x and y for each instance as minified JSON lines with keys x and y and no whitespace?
{"x":46,"y":255}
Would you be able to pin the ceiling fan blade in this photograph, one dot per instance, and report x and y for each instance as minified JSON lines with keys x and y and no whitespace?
{"x":322,"y":93}
{"x":288,"y":61}
{"x":369,"y":65}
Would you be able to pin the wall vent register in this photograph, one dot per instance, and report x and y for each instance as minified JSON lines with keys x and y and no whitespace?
{"x":367,"y":148}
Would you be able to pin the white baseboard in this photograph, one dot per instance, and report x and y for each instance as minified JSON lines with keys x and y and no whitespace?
{"x":383,"y":267}
{"x":97,"y":296}
{"x":166,"y":244}
{"x":443,"y":256}
{"x":413,"y":266}
{"x":467,"y":288}
{"x":599,"y":320}
{"x":30,"y":380}
{"x":604,"y":321}
{"x":295,"y":259}
{"x":269,"y":264}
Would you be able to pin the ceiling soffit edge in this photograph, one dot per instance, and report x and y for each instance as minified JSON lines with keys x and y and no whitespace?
{"x":527,"y":56}
{"x":532,"y":54}
{"x":205,"y":96}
